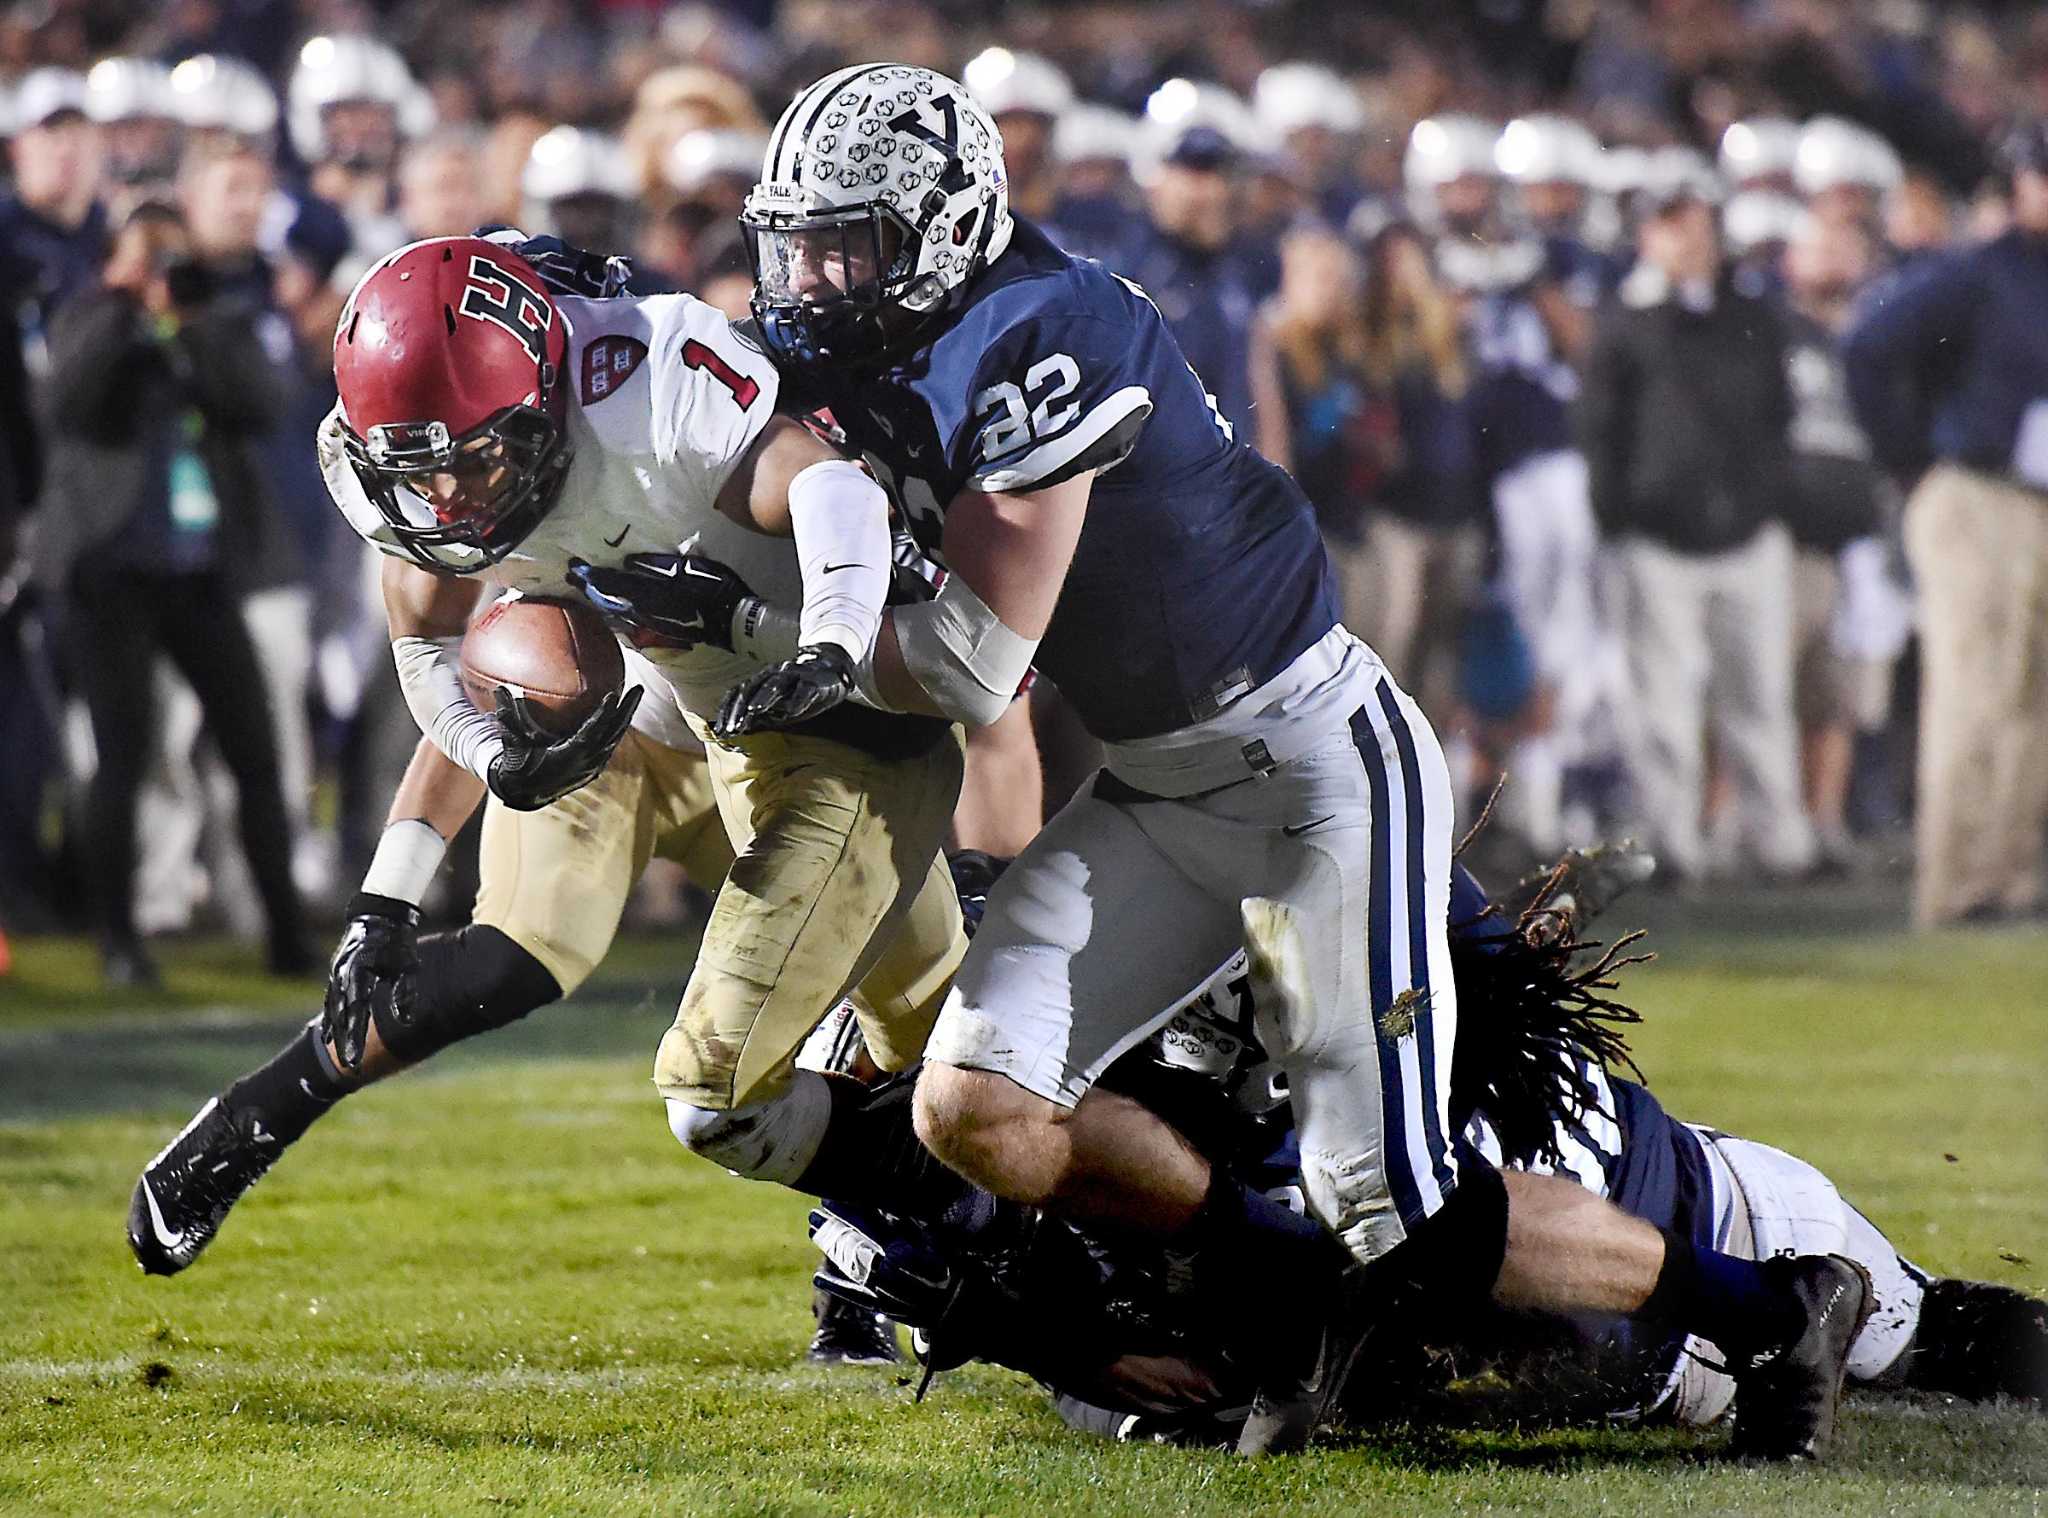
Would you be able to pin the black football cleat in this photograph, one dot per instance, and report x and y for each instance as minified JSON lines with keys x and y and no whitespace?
{"x":1291,"y":1404}
{"x":850,"y":1333}
{"x":1786,"y":1398}
{"x":1979,"y":1340}
{"x":186,"y":1191}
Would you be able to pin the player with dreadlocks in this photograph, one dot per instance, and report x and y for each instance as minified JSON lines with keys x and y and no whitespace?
{"x":1536,"y":1086}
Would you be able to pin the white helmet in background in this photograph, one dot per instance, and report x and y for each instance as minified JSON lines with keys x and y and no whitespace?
{"x":129,"y":89}
{"x":1292,"y":96}
{"x":42,"y":94}
{"x":1004,"y":83}
{"x":1444,"y":151}
{"x":1837,"y":154}
{"x":1756,"y":219}
{"x":339,"y":70}
{"x":1673,"y":173}
{"x":1180,"y":106}
{"x":130,"y":98}
{"x":891,"y":175}
{"x":568,"y":160}
{"x":1758,"y":149}
{"x":1089,"y":133}
{"x":213,"y":92}
{"x":1446,"y":148}
{"x":1547,"y":150}
{"x":700,"y":157}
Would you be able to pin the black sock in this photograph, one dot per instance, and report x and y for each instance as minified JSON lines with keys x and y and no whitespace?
{"x":298,"y":1084}
{"x":1724,"y":1298}
{"x":1242,"y":1243}
{"x":871,"y":1155}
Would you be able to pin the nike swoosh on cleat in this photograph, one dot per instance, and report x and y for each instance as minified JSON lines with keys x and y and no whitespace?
{"x":1295,"y":830}
{"x":165,"y":1236}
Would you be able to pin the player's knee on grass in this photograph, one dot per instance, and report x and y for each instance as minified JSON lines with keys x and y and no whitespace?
{"x":470,"y":981}
{"x":991,"y":1130}
{"x":770,"y":1140}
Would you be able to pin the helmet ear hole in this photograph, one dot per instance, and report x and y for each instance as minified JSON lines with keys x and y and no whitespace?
{"x":964,"y":227}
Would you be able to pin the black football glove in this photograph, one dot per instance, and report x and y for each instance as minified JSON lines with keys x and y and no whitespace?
{"x":672,"y":599}
{"x":537,"y":768}
{"x":374,"y":970}
{"x":785,"y":694}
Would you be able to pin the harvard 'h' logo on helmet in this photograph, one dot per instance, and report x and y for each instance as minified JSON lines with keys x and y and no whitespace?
{"x":448,"y":357}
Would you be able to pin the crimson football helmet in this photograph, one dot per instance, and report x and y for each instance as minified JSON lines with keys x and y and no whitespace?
{"x":449,"y":358}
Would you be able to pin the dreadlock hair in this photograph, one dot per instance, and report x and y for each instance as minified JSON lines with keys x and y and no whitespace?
{"x":1533,"y":1012}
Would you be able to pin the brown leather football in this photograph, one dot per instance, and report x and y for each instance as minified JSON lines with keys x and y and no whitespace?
{"x":558,"y":654}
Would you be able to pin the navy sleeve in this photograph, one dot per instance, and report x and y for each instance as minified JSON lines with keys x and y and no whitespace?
{"x":1057,"y":394}
{"x":1905,"y":336}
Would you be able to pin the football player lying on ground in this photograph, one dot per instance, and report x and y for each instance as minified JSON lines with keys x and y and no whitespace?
{"x":493,"y":434}
{"x":1127,"y":1354}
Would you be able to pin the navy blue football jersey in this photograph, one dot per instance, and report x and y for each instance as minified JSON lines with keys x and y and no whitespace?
{"x":1199,"y":575}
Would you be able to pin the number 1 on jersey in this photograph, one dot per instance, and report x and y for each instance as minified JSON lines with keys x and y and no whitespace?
{"x":697,"y":356}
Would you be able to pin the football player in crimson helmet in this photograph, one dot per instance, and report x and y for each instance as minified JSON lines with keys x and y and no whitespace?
{"x":454,"y":427}
{"x":495,"y":430}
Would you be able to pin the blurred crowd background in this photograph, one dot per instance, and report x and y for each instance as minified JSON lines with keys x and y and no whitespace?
{"x":1609,"y":338}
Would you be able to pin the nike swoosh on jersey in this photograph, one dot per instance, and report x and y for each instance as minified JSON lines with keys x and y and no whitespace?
{"x":615,"y":542}
{"x":168,"y":1237}
{"x":833,"y":569}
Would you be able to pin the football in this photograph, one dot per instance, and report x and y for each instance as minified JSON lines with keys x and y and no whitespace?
{"x":558,"y":654}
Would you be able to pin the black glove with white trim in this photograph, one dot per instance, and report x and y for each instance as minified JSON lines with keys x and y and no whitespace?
{"x":786,"y":694}
{"x":537,"y":768}
{"x":672,"y":600}
{"x":374,"y":968}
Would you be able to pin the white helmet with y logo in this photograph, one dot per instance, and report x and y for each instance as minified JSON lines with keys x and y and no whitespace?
{"x":882,"y":196}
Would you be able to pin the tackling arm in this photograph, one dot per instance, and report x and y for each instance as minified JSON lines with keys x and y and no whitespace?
{"x":963,"y":655}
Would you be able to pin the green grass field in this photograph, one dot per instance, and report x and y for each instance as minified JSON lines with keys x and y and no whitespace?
{"x":498,"y":1285}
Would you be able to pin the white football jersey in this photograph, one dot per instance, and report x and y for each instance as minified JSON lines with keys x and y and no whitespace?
{"x":663,"y":401}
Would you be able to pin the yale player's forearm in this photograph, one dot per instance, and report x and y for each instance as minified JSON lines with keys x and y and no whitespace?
{"x":964,"y":654}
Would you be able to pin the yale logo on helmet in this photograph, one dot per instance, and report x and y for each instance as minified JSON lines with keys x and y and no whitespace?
{"x":495,"y":294}
{"x":946,"y":140}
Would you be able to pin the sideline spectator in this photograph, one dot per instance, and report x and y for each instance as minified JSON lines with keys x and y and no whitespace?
{"x":1683,"y":423}
{"x":1186,"y":259}
{"x":1948,"y":368}
{"x":53,"y":222}
{"x":1423,"y":541}
{"x":1314,"y":397}
{"x":1835,"y":511}
{"x":156,"y":396}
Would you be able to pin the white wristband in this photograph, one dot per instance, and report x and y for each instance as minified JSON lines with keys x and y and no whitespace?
{"x":404,"y":864}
